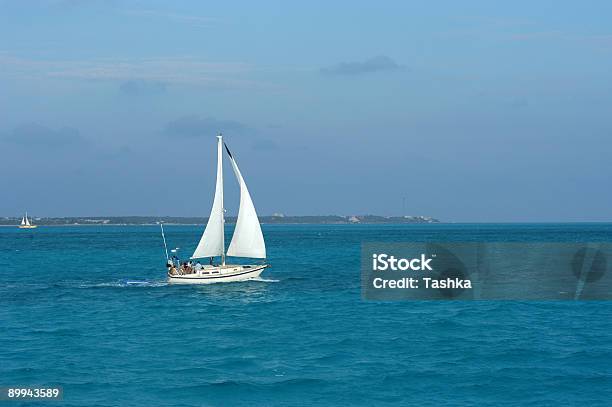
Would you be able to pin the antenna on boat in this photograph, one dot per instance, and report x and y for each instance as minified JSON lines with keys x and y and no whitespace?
{"x":161,"y":224}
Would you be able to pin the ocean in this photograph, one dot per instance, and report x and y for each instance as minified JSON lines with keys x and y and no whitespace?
{"x":88,"y":308}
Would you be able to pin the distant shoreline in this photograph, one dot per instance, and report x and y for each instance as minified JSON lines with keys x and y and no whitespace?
{"x":3,"y":223}
{"x":204,"y":224}
{"x":176,"y":220}
{"x":8,"y":226}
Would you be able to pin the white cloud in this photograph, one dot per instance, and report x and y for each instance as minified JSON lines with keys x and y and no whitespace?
{"x":176,"y":17}
{"x":179,"y":70}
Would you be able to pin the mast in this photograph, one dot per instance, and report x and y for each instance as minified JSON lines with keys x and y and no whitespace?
{"x":220,"y":176}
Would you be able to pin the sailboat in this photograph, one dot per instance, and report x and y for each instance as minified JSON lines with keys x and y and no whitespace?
{"x":26,"y":224}
{"x":247,"y":241}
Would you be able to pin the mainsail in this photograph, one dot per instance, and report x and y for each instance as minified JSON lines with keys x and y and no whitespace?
{"x":27,"y":221}
{"x":248,"y":240}
{"x":212,"y":241}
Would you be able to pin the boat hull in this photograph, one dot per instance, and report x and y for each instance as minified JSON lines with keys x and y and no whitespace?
{"x":28,"y":227}
{"x":219,"y":274}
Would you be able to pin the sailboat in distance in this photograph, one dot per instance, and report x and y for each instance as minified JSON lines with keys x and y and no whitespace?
{"x":26,"y":224}
{"x":247,"y":241}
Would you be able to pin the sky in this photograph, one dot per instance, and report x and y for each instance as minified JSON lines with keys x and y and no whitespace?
{"x":471,"y":111}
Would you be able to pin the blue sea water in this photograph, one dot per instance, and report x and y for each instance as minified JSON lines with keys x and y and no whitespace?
{"x":88,"y":308}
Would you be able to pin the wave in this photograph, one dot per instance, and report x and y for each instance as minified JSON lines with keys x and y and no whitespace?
{"x":147,"y":283}
{"x":292,"y":384}
{"x":264,"y":280}
{"x":124,"y":284}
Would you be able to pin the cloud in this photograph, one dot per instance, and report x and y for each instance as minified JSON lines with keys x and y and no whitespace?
{"x":264,"y":145}
{"x":374,"y":64}
{"x":68,"y":5}
{"x":34,"y":135}
{"x":540,"y":35}
{"x":176,"y":17}
{"x":136,"y":87}
{"x":518,"y":103}
{"x":81,"y":3}
{"x":195,"y":126}
{"x":604,"y":41}
{"x":170,"y":71}
{"x":493,"y":21}
{"x":173,"y":70}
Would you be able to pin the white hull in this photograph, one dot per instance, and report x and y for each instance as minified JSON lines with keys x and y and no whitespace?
{"x":218,"y":274}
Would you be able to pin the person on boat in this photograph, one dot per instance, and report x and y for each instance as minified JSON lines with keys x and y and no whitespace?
{"x":187,"y":267}
{"x":198,"y":266}
{"x":211,"y":261}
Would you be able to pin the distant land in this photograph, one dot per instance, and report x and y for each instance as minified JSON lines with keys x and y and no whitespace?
{"x":176,"y":220}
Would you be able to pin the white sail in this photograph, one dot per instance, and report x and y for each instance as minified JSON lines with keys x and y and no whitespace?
{"x":212,"y":241}
{"x":23,"y":221}
{"x":248,"y":240}
{"x":27,"y":221}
